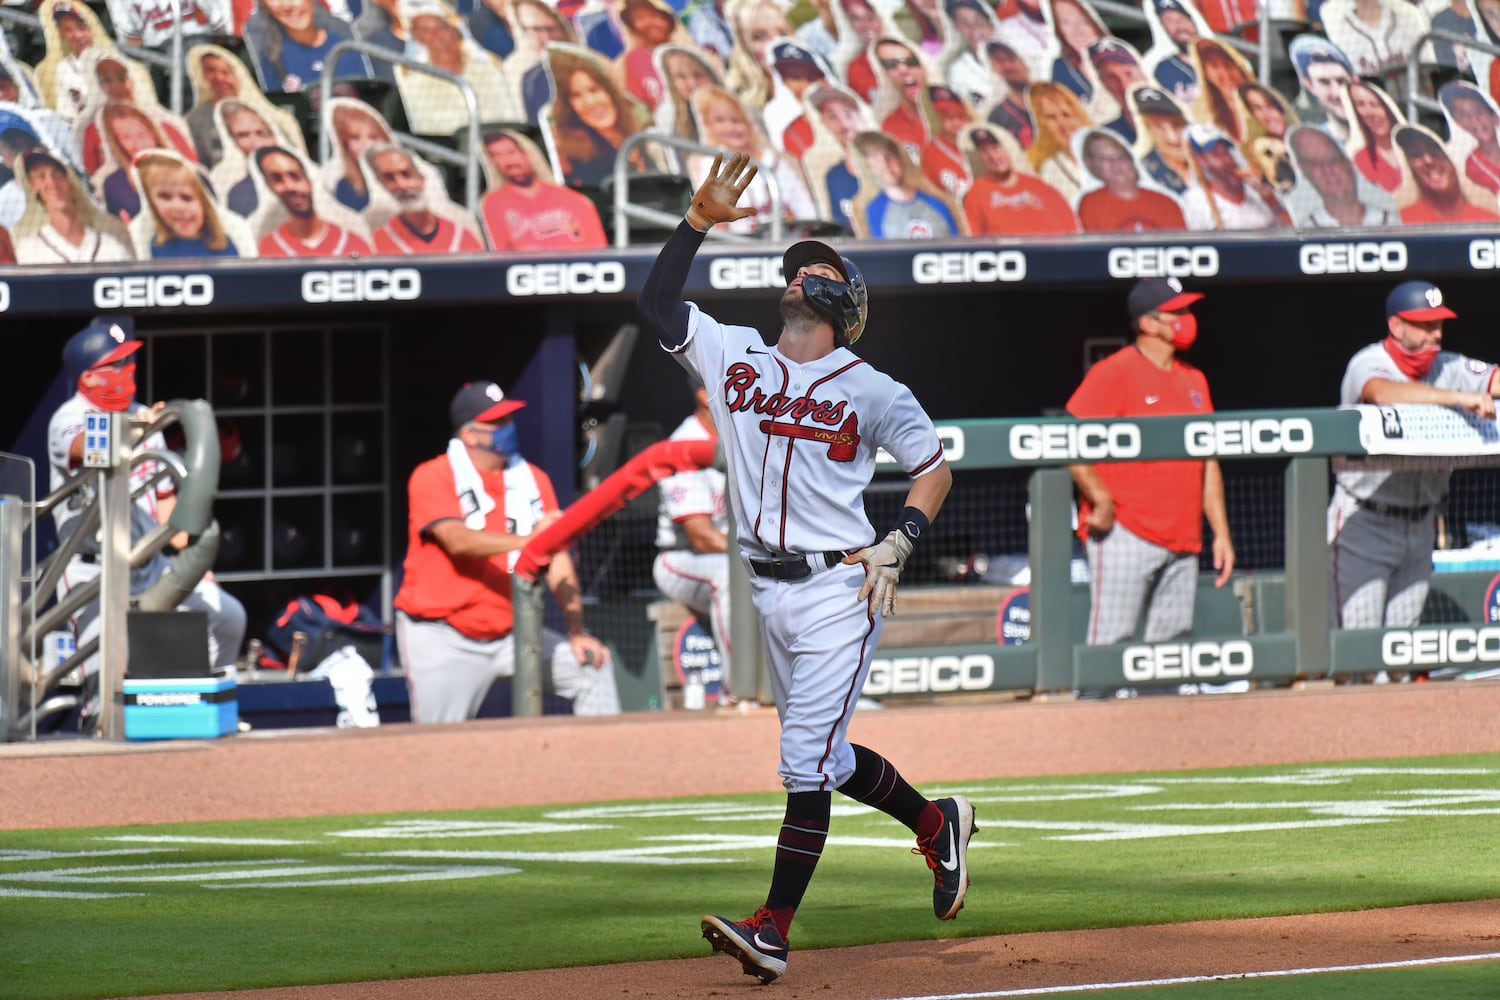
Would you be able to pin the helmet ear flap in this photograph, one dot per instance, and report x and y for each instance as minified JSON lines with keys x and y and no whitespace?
{"x":857,"y":312}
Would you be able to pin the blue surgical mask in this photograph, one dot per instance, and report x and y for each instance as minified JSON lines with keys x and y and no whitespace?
{"x":506,"y":441}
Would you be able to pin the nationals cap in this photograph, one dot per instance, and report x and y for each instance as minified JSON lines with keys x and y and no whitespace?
{"x":481,"y":401}
{"x":1158,"y":295}
{"x":104,"y":341}
{"x":1418,"y":301}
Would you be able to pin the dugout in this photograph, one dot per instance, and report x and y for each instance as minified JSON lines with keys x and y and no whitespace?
{"x":971,"y":346}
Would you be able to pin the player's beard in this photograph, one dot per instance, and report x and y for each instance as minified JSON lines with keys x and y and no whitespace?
{"x":796,"y":311}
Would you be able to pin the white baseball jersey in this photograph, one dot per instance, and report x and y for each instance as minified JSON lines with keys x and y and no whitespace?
{"x":152,"y":21}
{"x":66,"y":424}
{"x":800,"y":439}
{"x":1449,"y":370}
{"x":688,"y":493}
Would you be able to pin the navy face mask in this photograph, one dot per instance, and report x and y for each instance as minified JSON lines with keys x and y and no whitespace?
{"x":506,"y":441}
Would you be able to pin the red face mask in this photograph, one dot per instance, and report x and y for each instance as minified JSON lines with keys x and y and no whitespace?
{"x":1184,"y":331}
{"x":112,"y":389}
{"x":1414,"y":363}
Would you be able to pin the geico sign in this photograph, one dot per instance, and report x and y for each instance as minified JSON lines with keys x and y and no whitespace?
{"x":977,"y":267}
{"x":1352,"y":258}
{"x":1440,"y":645}
{"x":154,"y":290}
{"x":4,"y":296}
{"x":1484,"y":255}
{"x":584,"y":278}
{"x":729,"y":273}
{"x":1092,"y":442}
{"x":376,"y":284}
{"x":1163,"y":262}
{"x":1185,"y":660}
{"x":1265,"y":436}
{"x":936,"y":674}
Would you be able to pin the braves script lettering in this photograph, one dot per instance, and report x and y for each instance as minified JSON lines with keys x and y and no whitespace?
{"x":741,"y":394}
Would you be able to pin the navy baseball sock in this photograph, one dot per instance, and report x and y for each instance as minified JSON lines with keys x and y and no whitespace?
{"x":798,"y":848}
{"x":878,"y":784}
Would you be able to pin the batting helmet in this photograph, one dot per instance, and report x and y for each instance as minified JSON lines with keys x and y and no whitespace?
{"x":1418,"y":301}
{"x":103,"y":341}
{"x":845,"y":304}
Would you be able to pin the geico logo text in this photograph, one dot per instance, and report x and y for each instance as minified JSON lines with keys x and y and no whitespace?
{"x":1184,"y":660}
{"x":1352,"y":258}
{"x":4,"y":296}
{"x":1035,"y":442}
{"x":728,"y":273}
{"x":922,"y":674}
{"x":1265,"y":436}
{"x":1440,"y":645}
{"x":976,"y":267}
{"x":146,"y":291}
{"x":376,"y":284}
{"x":584,"y":278}
{"x":1484,"y":255}
{"x":1163,"y":262}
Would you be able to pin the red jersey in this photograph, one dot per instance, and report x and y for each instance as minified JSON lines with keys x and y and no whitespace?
{"x":1420,"y":213}
{"x":797,"y":138}
{"x":908,"y":127}
{"x":1101,"y":211}
{"x":470,"y":594}
{"x":1030,"y":207}
{"x":397,"y":237}
{"x":335,"y":242}
{"x":946,"y":166}
{"x":555,"y":218}
{"x":1479,"y":169}
{"x":861,"y":77}
{"x":1161,"y":502}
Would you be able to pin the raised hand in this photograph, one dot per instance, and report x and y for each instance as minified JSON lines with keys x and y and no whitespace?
{"x":717,"y":198}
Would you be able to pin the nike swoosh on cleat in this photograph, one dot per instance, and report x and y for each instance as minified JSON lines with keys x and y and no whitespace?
{"x":763,"y":946}
{"x":951,"y":861}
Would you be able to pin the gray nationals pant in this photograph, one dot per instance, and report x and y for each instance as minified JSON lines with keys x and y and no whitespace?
{"x":448,"y":674}
{"x":1379,"y":565}
{"x":1128,"y":576}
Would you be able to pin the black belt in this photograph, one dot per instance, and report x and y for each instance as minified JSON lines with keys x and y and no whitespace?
{"x":793,"y":567}
{"x":1402,"y":513}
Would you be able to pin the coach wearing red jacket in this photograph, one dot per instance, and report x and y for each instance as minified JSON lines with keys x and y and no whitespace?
{"x":1141,"y":522}
{"x":472,"y":510}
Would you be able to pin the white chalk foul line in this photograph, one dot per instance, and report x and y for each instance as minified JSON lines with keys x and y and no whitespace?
{"x":1040,"y":991}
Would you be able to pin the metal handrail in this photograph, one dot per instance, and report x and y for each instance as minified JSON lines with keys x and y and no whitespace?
{"x":470,"y":161}
{"x":624,"y":210}
{"x":1414,"y":100}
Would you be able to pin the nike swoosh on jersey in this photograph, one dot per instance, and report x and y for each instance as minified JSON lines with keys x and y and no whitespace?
{"x":951,"y":861}
{"x":1152,"y":400}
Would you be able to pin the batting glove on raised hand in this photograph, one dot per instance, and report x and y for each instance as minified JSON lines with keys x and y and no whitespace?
{"x":884,"y":562}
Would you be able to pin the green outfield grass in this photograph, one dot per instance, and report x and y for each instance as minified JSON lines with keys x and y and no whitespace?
{"x":1470,"y":981}
{"x":245,"y":904}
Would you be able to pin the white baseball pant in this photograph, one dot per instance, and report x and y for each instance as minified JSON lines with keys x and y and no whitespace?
{"x":701,"y":581}
{"x":448,"y":674}
{"x":820,"y":638}
{"x":1129,"y":575}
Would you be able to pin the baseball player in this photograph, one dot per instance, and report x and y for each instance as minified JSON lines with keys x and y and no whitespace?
{"x":1381,"y":523}
{"x":470,"y":512}
{"x":100,"y":361}
{"x":692,"y":526}
{"x":1141,"y":522}
{"x":800,"y":422}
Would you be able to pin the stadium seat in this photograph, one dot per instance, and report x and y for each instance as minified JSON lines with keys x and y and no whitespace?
{"x":670,"y":193}
{"x":378,"y":94}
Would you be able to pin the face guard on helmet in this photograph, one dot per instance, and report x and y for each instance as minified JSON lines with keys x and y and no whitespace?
{"x":845,"y":304}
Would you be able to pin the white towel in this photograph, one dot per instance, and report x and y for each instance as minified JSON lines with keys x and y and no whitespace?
{"x":475,"y":503}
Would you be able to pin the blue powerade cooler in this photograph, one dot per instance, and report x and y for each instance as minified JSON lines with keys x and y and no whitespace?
{"x":171,"y":692}
{"x":173,"y":708}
